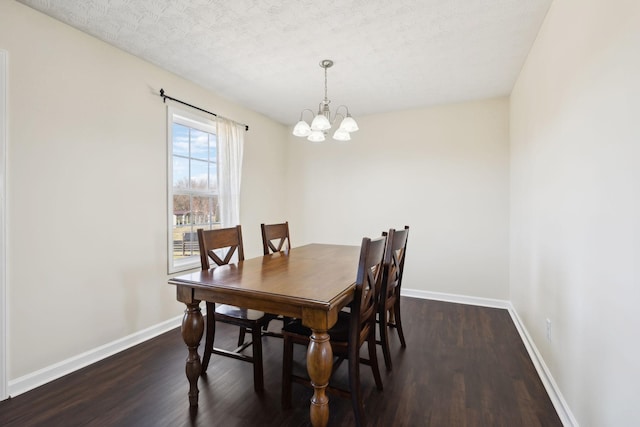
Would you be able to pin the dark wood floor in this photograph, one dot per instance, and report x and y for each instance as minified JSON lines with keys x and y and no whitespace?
{"x":463,"y":366}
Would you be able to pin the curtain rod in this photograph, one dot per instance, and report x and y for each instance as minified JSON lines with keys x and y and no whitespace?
{"x":165,"y":97}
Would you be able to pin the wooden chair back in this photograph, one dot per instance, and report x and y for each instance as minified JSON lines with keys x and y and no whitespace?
{"x":368,"y":281}
{"x":278,"y":233}
{"x":211,"y":241}
{"x":389,"y":296}
{"x":393,"y":263}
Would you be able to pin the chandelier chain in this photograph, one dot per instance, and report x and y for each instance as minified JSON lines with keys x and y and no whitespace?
{"x":325,"y":85}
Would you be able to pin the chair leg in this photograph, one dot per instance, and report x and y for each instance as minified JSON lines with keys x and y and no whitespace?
{"x":258,"y":381}
{"x":211,"y":331}
{"x":373,"y":359}
{"x":392,"y":315}
{"x":241,"y":336}
{"x":384,"y":338}
{"x":398,"y":321}
{"x":287,"y":366}
{"x":354,"y":386}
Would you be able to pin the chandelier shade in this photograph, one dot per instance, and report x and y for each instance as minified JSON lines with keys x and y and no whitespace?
{"x":316,"y":136}
{"x":349,"y":124}
{"x":324,"y":120}
{"x":342,"y":135}
{"x":320,"y":122}
{"x":302,"y":129}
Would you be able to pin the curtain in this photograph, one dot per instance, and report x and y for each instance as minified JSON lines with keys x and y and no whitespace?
{"x":230,"y":150}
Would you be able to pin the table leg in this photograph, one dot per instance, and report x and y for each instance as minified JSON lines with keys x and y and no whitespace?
{"x":319,"y":366}
{"x":192,"y":330}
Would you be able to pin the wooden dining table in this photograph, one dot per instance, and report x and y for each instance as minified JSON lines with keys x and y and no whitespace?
{"x":312,"y":283}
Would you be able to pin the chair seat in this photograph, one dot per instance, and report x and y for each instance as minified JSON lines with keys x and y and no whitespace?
{"x":338,"y":333}
{"x":237,"y":313}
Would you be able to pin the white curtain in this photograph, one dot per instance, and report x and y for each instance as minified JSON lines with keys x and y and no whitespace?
{"x":230,"y":150}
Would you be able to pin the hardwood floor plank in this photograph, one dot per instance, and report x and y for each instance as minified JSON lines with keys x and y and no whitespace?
{"x":463,"y":366}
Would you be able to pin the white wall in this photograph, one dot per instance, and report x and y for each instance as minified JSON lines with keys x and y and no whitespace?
{"x":575,"y":204}
{"x":443,"y":171}
{"x":3,"y":251}
{"x":86,"y":191}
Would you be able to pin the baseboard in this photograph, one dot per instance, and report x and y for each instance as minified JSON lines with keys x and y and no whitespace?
{"x":562,"y":408}
{"x":565,"y":414}
{"x":461,"y":299}
{"x":36,"y":379}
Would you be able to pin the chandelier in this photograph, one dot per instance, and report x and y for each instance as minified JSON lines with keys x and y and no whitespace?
{"x":323,"y":120}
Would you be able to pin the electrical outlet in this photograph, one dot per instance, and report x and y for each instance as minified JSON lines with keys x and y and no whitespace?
{"x":549,"y":330}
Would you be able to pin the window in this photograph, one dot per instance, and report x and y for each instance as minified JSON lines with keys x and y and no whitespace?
{"x":192,"y":187}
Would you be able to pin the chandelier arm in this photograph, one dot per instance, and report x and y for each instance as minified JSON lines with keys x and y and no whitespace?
{"x":335,"y":117}
{"x":345,"y":107}
{"x":309,"y":110}
{"x":337,"y":113}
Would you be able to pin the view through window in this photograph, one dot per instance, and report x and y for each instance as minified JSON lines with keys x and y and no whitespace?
{"x":193,"y":189}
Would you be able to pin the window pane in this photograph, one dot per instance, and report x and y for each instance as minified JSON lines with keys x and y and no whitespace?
{"x":180,"y":140}
{"x":199,"y":144}
{"x":185,"y":242}
{"x":199,"y":175}
{"x":181,"y":209}
{"x":203,"y":210}
{"x":180,"y":173}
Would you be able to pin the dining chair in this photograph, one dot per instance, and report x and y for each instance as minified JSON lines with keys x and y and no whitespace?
{"x":349,"y":334}
{"x":275,"y":238}
{"x":278,"y":233}
{"x":220,"y":245}
{"x":389,"y":294}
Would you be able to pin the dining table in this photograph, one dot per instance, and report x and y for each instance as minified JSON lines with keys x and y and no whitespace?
{"x":311,"y":282}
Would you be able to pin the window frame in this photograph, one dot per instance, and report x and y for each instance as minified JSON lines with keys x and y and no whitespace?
{"x":202,"y":123}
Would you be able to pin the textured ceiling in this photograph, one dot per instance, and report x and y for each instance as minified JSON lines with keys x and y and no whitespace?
{"x":389,"y":55}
